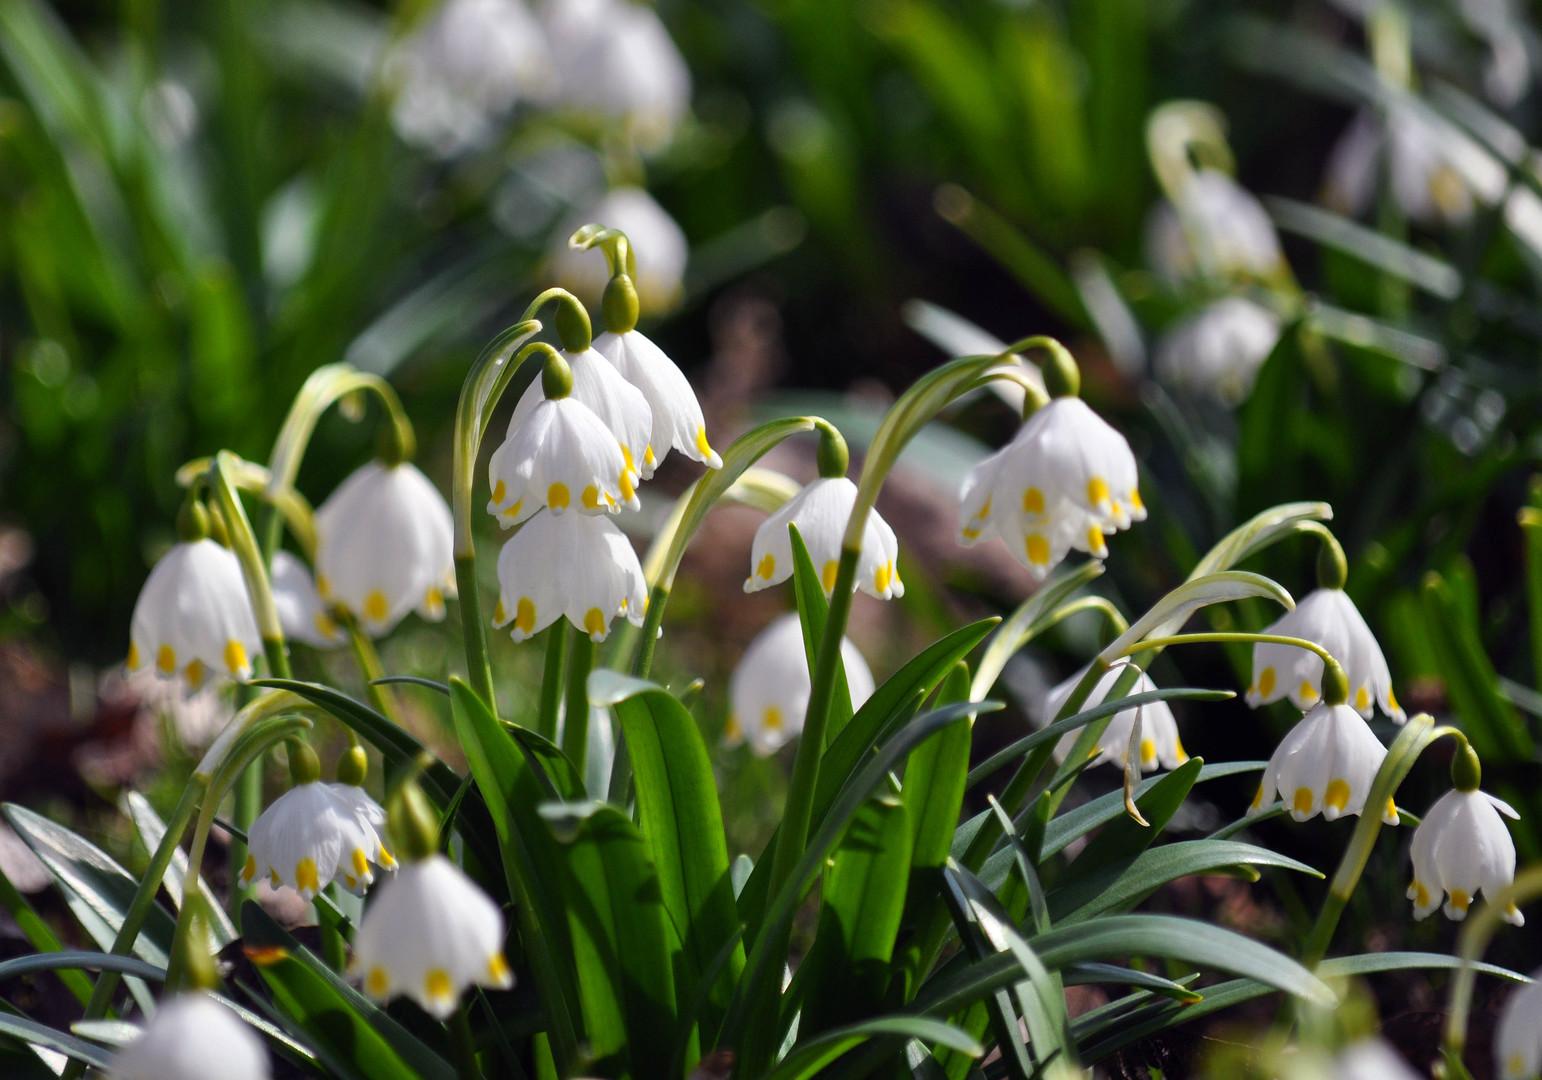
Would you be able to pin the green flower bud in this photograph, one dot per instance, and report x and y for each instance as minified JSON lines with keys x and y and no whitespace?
{"x":619,"y":306}
{"x":353,"y":766}
{"x":1332,"y":569}
{"x":573,"y":327}
{"x":1335,"y":684}
{"x":413,"y":823}
{"x":304,"y":765}
{"x":833,"y":457}
{"x":199,"y":971}
{"x":556,"y":376}
{"x":1062,"y":378}
{"x":192,"y":520}
{"x":1466,"y":768}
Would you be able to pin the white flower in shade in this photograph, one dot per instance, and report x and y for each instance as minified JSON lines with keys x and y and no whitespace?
{"x":1518,"y":1036}
{"x":558,"y":456}
{"x":658,"y":244}
{"x":1216,"y":228}
{"x":192,"y":1037}
{"x":677,"y":419}
{"x":1418,"y":161}
{"x":1219,"y":349}
{"x":1369,"y":1059}
{"x":1065,"y":481}
{"x":196,"y":717}
{"x":769,"y":691}
{"x":568,"y":564}
{"x":1329,"y":618}
{"x":1461,"y":846}
{"x":821,"y":511}
{"x":301,"y":611}
{"x":1159,"y":742}
{"x":314,"y":834}
{"x":429,"y":933}
{"x":384,"y":547}
{"x":1325,"y":765}
{"x":193,"y":617}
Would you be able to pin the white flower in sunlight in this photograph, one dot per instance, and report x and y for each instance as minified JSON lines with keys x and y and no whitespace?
{"x":677,"y":419}
{"x":1325,"y":765}
{"x":1219,"y":349}
{"x":768,"y":693}
{"x":568,"y":564}
{"x":429,"y":933}
{"x":657,"y":242}
{"x":318,"y":833}
{"x":385,"y":546}
{"x":192,"y":1037}
{"x":1518,"y":1036}
{"x":1416,"y":158}
{"x":1461,"y":846}
{"x":1065,"y":481}
{"x":1216,"y":228}
{"x":301,"y":611}
{"x":820,"y":511}
{"x":1369,"y":1059}
{"x":558,"y":455}
{"x":193,"y":617}
{"x":461,"y":69}
{"x":1329,"y":618}
{"x":1159,"y":742}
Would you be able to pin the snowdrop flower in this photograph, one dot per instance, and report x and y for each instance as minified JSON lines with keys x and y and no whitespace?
{"x":1159,"y":742}
{"x":769,"y":691}
{"x":558,"y":455}
{"x":192,"y":1037}
{"x":301,"y":611}
{"x":384,"y":546}
{"x":1219,"y":349}
{"x":1518,"y":1038}
{"x":1064,"y":481}
{"x":658,"y":245}
{"x":820,"y":511}
{"x":1325,"y":765}
{"x":1418,"y":165}
{"x":1370,"y":1059}
{"x":1328,"y":617}
{"x":193,"y":617}
{"x":1215,"y":228}
{"x":1462,"y":845}
{"x":568,"y":564}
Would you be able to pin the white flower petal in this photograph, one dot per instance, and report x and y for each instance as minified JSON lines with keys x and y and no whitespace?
{"x":559,"y":456}
{"x":677,"y":418}
{"x":568,"y":564}
{"x":768,"y":693}
{"x":1160,"y":745}
{"x":301,"y":611}
{"x":193,"y":618}
{"x":1329,"y":618}
{"x":1219,"y":349}
{"x":315,"y":834}
{"x":1324,"y":765}
{"x":192,"y":1037}
{"x":821,"y":511}
{"x":1518,"y":1036}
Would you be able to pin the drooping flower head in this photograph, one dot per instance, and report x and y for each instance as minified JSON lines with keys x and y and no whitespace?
{"x":1462,"y":846}
{"x":1328,"y":617}
{"x":568,"y":564}
{"x":192,"y":1037}
{"x":1325,"y":765}
{"x":1160,"y":745}
{"x":1218,"y":350}
{"x":1369,"y":1059}
{"x":1518,"y":1036}
{"x":301,"y":611}
{"x":658,"y":245}
{"x":1417,"y":158}
{"x":769,"y":691}
{"x":820,"y":511}
{"x":1213,"y":228}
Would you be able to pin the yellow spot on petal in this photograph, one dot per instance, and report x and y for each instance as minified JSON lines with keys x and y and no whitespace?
{"x":880,"y":578}
{"x":1038,"y":550}
{"x":703,"y":447}
{"x":1515,"y":1066}
{"x":1095,"y":542}
{"x":133,"y":656}
{"x":971,"y":533}
{"x":249,"y":868}
{"x":437,"y":985}
{"x":500,"y":613}
{"x":1337,"y":795}
{"x":273,"y":878}
{"x":628,"y":489}
{"x":1302,"y":803}
{"x":732,"y":732}
{"x":1362,"y":699}
{"x":1135,"y":501}
{"x":324,"y":625}
{"x":648,"y":458}
{"x":524,"y":615}
{"x":1266,"y":682}
{"x":360,"y":864}
{"x":264,"y":955}
{"x":166,"y":660}
{"x":1178,"y":751}
{"x":594,"y":622}
{"x":235,"y":657}
{"x":1421,"y":895}
{"x":194,"y":673}
{"x":350,"y":882}
{"x":377,"y":982}
{"x":433,"y":601}
{"x":500,"y":492}
{"x":1460,"y":900}
{"x":591,"y":498}
{"x":1148,"y":754}
{"x":385,"y":859}
{"x":1033,"y":501}
{"x":1392,"y":704}
{"x":498,"y":970}
{"x":305,"y":875}
{"x":767,"y":566}
{"x":827,"y":575}
{"x":375,"y":605}
{"x":771,"y":719}
{"x":1258,"y":798}
{"x":323,"y":586}
{"x":1097,"y":491}
{"x":985,"y":510}
{"x":627,"y":459}
{"x":557,"y":496}
{"x":512,"y":512}
{"x":1389,"y":815}
{"x":1307,"y":692}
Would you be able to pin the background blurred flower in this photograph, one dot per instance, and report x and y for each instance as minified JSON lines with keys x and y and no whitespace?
{"x":1218,"y":349}
{"x":657,"y":242}
{"x":769,"y":690}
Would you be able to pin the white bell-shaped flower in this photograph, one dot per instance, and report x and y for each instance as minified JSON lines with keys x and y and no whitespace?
{"x":658,"y":245}
{"x":1160,"y":745}
{"x":192,"y":1037}
{"x":559,"y":456}
{"x":1419,"y":163}
{"x":568,"y":564}
{"x":1368,"y":1059}
{"x":301,"y":611}
{"x":385,"y":546}
{"x":1460,"y":847}
{"x":1215,"y":229}
{"x":193,"y":618}
{"x":314,"y":834}
{"x":1329,"y":618}
{"x":1218,"y":350}
{"x":1325,"y":765}
{"x":1066,"y":480}
{"x":769,"y":691}
{"x":429,"y":933}
{"x":821,"y":511}
{"x":677,"y":420}
{"x":1518,"y":1036}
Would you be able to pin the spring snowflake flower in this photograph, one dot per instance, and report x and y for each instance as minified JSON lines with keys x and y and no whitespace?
{"x":1159,"y":742}
{"x":769,"y":691}
{"x":559,"y":455}
{"x":1329,"y":618}
{"x":568,"y":564}
{"x":658,"y":244}
{"x":1419,"y":166}
{"x":677,"y":418}
{"x":1216,"y":228}
{"x":1219,"y":349}
{"x":820,"y":511}
{"x":1065,"y":481}
{"x":1461,"y":846}
{"x":192,"y":1037}
{"x":301,"y":611}
{"x":1518,"y":1037}
{"x":1325,"y":765}
{"x":317,"y":833}
{"x":1369,"y":1059}
{"x":429,"y":933}
{"x":193,"y":617}
{"x":385,"y":547}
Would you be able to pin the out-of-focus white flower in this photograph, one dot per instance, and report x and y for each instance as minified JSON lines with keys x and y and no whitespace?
{"x":769,"y":691}
{"x":1518,"y":1037}
{"x":301,"y":611}
{"x":317,"y":833}
{"x":1159,"y":741}
{"x":192,"y":1037}
{"x":1461,"y":846}
{"x":568,"y":564}
{"x":1416,"y":157}
{"x":1215,"y":229}
{"x":429,"y":933}
{"x":1325,"y":765}
{"x":384,"y":547}
{"x":1219,"y":349}
{"x":1329,"y":618}
{"x":558,"y":455}
{"x":657,"y":242}
{"x":677,"y":420}
{"x":462,"y":69}
{"x":196,"y":717}
{"x":1064,"y":481}
{"x":193,"y":617}
{"x":1369,"y":1059}
{"x":821,"y":511}
{"x":614,"y":59}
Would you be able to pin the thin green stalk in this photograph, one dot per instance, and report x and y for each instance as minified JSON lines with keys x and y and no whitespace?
{"x":177,"y":965}
{"x":464,"y":1044}
{"x":643,"y":661}
{"x":575,"y":721}
{"x":551,"y":681}
{"x":248,"y":806}
{"x":368,"y":659}
{"x":474,"y":631}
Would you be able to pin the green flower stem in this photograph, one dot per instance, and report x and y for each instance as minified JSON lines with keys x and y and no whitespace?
{"x":1476,"y":933}
{"x":177,"y":967}
{"x":254,"y":568}
{"x":254,"y":479}
{"x":648,"y":640}
{"x":575,"y":722}
{"x":463,"y":1043}
{"x":248,"y":805}
{"x":368,"y":659}
{"x":551,"y":681}
{"x":1229,"y":637}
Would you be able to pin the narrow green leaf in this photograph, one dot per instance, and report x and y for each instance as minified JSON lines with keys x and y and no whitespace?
{"x":40,"y":935}
{"x":813,"y":613}
{"x":1493,"y":725}
{"x":151,"y":828}
{"x":36,"y":1034}
{"x":813,"y":1058}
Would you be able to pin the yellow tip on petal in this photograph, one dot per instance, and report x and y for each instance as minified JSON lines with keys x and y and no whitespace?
{"x":771,"y":719}
{"x":385,"y":859}
{"x":375,"y":605}
{"x":1038,"y":550}
{"x":377,"y":982}
{"x":880,"y":578}
{"x":1337,"y":795}
{"x":1135,"y":500}
{"x":249,"y":869}
{"x":133,"y":656}
{"x":235,"y":657}
{"x":524,"y":615}
{"x":1033,"y":502}
{"x":166,"y":660}
{"x":591,"y":498}
{"x":648,"y":458}
{"x":305,"y":875}
{"x":1421,"y":894}
{"x":1460,"y":900}
{"x":500,"y":492}
{"x":1095,"y":544}
{"x":1302,"y":802}
{"x":703,"y":447}
{"x":360,"y":864}
{"x":1266,"y":682}
{"x":323,"y":586}
{"x":498,"y":970}
{"x":1362,"y":699}
{"x":1307,"y":692}
{"x":500,"y":613}
{"x":767,"y":567}
{"x":194,"y":673}
{"x":1148,"y":754}
{"x":827,"y":575}
{"x":324,"y":624}
{"x":1258,"y":799}
{"x":594,"y":623}
{"x":628,"y":489}
{"x":1097,"y":491}
{"x":557,"y":496}
{"x":437,"y":985}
